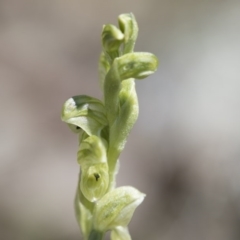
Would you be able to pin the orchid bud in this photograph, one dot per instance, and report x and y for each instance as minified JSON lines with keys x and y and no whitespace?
{"x":112,"y":38}
{"x":84,"y":113}
{"x":128,"y":26}
{"x":116,"y":208}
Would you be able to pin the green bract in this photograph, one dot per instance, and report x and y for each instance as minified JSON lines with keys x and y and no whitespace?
{"x":103,"y":127}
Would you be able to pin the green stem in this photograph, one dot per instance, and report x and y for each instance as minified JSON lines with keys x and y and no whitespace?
{"x":96,"y":235}
{"x":113,"y":155}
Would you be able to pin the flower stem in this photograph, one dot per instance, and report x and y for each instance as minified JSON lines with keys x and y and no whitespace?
{"x":96,"y":235}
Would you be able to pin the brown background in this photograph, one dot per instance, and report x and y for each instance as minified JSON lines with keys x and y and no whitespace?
{"x":184,"y":150}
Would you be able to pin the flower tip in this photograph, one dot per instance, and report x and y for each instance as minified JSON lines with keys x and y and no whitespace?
{"x":144,"y":74}
{"x":67,"y":108}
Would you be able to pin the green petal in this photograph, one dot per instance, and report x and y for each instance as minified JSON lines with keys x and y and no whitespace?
{"x":116,"y":208}
{"x":86,"y":113}
{"x":120,"y":233}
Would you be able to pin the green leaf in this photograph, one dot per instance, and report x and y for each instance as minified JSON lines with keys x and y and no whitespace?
{"x":85,"y":112}
{"x":116,"y":208}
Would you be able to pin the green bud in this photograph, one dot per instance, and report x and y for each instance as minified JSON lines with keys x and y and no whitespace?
{"x":112,"y":38}
{"x":116,"y":208}
{"x":128,"y":25}
{"x":120,"y":233}
{"x":86,"y":113}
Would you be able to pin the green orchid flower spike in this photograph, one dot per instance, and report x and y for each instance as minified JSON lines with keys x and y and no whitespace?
{"x":103,"y":127}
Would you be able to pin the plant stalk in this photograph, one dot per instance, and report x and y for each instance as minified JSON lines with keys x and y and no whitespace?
{"x":96,"y":235}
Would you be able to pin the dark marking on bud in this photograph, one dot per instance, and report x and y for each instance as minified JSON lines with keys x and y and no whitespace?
{"x":77,"y":127}
{"x":97,"y":176}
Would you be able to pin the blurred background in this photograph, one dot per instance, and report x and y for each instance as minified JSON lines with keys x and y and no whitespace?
{"x":184,"y":149}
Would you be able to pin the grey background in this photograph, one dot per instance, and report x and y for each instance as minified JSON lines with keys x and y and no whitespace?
{"x":183,"y":151}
